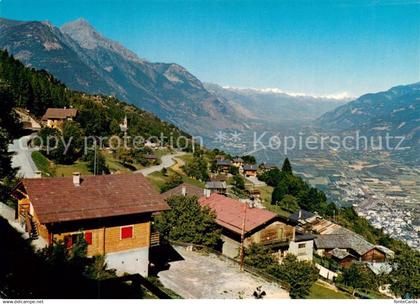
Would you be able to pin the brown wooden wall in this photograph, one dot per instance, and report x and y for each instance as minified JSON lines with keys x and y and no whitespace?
{"x":374,"y":255}
{"x":274,"y":231}
{"x":108,"y":239}
{"x":106,"y":233}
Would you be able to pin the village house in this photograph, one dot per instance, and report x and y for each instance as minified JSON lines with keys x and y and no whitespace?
{"x":264,"y":167}
{"x":111,"y":212}
{"x":216,"y":187}
{"x":223,"y":165}
{"x":55,"y":117}
{"x":152,"y":158}
{"x":342,"y":257}
{"x":261,"y":227}
{"x":219,"y":177}
{"x":237,"y":162}
{"x":184,"y":189}
{"x":341,"y":244}
{"x":305,"y":217}
{"x":349,"y":247}
{"x":249,"y":170}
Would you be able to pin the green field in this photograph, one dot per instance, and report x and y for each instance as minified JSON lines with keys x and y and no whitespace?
{"x":42,"y":163}
{"x":319,"y":291}
{"x":68,"y":170}
{"x":115,"y":165}
{"x":158,"y":179}
{"x":48,"y":168}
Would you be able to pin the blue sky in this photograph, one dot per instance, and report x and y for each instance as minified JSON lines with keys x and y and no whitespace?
{"x":317,"y":47}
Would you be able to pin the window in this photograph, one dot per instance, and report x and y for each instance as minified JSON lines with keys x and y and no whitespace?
{"x":71,"y":239}
{"x":126,"y":232}
{"x":88,"y":238}
{"x":68,"y":240}
{"x":302,"y":245}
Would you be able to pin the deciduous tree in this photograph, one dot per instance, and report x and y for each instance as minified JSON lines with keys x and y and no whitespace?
{"x":188,"y":222}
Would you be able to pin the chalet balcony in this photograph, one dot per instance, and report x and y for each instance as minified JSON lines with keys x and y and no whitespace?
{"x":154,"y":239}
{"x":277,"y":242}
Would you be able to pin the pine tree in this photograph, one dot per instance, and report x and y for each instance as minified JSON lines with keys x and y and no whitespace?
{"x":287,"y":167}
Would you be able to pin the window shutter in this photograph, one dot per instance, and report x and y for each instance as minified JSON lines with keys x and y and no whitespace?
{"x":126,"y":232}
{"x":68,"y":240}
{"x":88,"y":238}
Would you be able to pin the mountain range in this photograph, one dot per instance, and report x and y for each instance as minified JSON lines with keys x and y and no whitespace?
{"x":395,"y":112}
{"x":86,"y":61}
{"x":276,"y":106}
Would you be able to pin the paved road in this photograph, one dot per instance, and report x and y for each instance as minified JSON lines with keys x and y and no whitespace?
{"x":166,"y":161}
{"x":22,"y":156}
{"x":9,"y":214}
{"x":207,"y":276}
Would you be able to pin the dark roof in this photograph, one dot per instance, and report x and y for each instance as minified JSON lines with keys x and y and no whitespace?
{"x":341,"y":253}
{"x":343,"y":241}
{"x":190,"y":189}
{"x":219,"y":177}
{"x":267,"y":166}
{"x":250,"y":167}
{"x":59,"y":200}
{"x":304,"y":237}
{"x":230,"y":213}
{"x":303,"y":215}
{"x":216,"y":185}
{"x":223,"y":162}
{"x":388,"y":252}
{"x":59,"y":113}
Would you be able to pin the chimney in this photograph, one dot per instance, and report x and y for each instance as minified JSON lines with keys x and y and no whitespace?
{"x":76,"y":179}
{"x":184,"y":190}
{"x":207,"y":192}
{"x":38,"y":174}
{"x":300,"y":214}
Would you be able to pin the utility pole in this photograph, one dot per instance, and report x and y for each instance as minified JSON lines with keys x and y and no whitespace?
{"x":94,"y":160}
{"x":124,"y":128}
{"x":241,"y":250}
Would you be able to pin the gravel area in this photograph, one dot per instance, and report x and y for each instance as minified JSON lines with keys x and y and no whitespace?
{"x":207,"y":276}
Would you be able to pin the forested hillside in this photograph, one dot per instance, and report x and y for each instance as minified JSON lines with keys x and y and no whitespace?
{"x":84,"y":60}
{"x":99,"y":115}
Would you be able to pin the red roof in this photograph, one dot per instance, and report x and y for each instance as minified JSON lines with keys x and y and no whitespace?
{"x":58,"y":199}
{"x":230,"y":213}
{"x":59,"y":113}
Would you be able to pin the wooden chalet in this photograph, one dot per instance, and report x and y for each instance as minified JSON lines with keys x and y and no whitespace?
{"x":238,"y":162}
{"x":261,"y":226}
{"x":55,"y":117}
{"x":184,"y":189}
{"x":350,"y":247}
{"x":216,"y":187}
{"x":223,"y":165}
{"x":111,"y":212}
{"x":250,"y":170}
{"x":151,"y":158}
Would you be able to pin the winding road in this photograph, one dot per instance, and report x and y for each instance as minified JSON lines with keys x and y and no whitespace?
{"x":22,"y":159}
{"x":167,"y":161}
{"x":22,"y":156}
